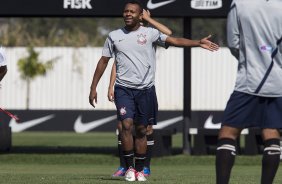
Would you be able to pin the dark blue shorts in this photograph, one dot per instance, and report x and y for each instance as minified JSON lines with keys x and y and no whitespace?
{"x":245,"y":110}
{"x":139,"y":105}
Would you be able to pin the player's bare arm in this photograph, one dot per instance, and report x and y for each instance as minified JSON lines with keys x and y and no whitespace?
{"x":3,"y":71}
{"x":101,"y":66}
{"x":111,"y":96}
{"x":162,"y":28}
{"x":183,"y":42}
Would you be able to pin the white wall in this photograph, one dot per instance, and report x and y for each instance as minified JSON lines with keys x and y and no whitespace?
{"x":213,"y":78}
{"x":67,"y":85}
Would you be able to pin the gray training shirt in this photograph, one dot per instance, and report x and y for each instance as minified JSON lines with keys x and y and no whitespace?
{"x":254,"y":29}
{"x":135,"y":55}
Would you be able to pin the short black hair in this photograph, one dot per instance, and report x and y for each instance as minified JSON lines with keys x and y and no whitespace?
{"x":135,"y":2}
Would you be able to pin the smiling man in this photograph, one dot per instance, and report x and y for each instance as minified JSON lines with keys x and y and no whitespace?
{"x":133,"y":49}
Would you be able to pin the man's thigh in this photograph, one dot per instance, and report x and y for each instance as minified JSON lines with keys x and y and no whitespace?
{"x":124,"y":101}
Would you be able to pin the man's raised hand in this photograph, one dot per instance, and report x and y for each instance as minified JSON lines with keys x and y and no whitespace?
{"x":207,"y":44}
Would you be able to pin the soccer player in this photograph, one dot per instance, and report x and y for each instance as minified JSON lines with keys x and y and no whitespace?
{"x":146,"y":19}
{"x":3,"y":64}
{"x":135,"y":96}
{"x":254,"y":29}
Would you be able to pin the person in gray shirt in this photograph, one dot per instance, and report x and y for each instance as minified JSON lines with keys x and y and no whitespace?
{"x":147,"y":20}
{"x":133,"y":49}
{"x":254,"y":35}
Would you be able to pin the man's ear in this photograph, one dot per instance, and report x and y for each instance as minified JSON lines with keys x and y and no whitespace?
{"x":141,"y":17}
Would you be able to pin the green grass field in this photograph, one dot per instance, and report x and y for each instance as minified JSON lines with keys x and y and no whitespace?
{"x":68,"y":158}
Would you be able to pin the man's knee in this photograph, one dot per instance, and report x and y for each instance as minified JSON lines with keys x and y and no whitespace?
{"x":270,"y":134}
{"x":141,"y":131}
{"x":127,"y":125}
{"x":229,"y":132}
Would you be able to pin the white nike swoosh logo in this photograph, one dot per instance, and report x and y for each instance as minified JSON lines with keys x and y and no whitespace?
{"x":151,"y":5}
{"x":80,"y":127}
{"x":19,"y":127}
{"x":210,"y":125}
{"x":273,"y":153}
{"x":168,"y":122}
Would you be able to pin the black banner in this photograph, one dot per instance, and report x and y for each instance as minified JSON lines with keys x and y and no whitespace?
{"x":103,"y":121}
{"x":112,"y":8}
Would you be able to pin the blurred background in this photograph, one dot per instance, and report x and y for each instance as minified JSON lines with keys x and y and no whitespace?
{"x":75,"y":46}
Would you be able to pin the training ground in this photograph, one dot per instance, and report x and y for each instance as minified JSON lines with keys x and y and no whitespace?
{"x":69,"y":158}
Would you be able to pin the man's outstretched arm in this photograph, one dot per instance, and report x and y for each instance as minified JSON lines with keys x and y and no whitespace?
{"x":183,"y":42}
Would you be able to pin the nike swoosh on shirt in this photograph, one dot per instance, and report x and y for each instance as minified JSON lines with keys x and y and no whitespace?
{"x":211,"y":125}
{"x":19,"y":127}
{"x":151,"y":5}
{"x":163,"y":124}
{"x":80,"y":127}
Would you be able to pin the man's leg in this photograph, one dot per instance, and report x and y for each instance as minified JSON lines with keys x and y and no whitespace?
{"x":125,"y":105}
{"x":128,"y":148}
{"x":122,"y":166}
{"x":140,"y":150}
{"x":140,"y":147}
{"x":152,"y":105}
{"x":121,"y":158}
{"x":225,"y":153}
{"x":271,"y":155}
{"x":150,"y":145}
{"x":127,"y":142}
